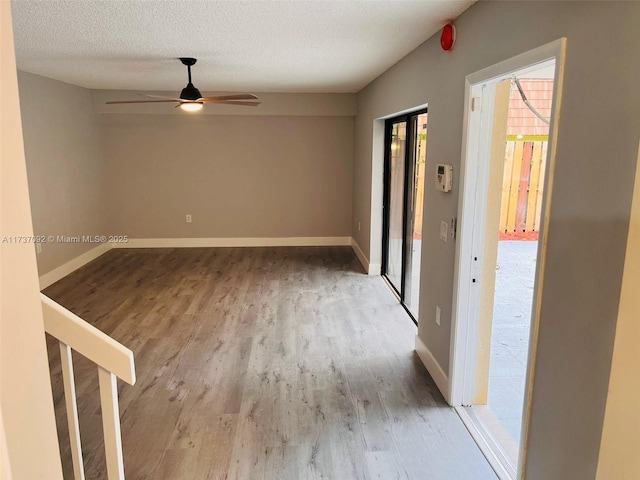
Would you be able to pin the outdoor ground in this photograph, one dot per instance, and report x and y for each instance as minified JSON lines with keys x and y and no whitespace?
{"x":510,"y":334}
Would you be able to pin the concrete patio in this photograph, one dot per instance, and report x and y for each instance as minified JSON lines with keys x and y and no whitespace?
{"x":510,"y":334}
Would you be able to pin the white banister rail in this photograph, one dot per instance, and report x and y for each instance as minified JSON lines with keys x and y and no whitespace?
{"x":113,"y":360}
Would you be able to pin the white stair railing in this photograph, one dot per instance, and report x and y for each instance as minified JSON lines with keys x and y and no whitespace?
{"x":113,"y":360}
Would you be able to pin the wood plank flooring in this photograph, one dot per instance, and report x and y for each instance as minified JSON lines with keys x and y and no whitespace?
{"x":259,"y":363}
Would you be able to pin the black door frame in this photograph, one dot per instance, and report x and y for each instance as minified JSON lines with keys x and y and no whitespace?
{"x":411,"y":119}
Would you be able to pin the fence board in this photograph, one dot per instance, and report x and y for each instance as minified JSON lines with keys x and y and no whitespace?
{"x":506,"y":184}
{"x":523,"y":187}
{"x":532,"y":219}
{"x":513,"y":191}
{"x":543,"y":168}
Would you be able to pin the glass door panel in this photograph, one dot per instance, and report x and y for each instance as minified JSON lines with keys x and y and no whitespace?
{"x":397,"y":151}
{"x":415,"y":213}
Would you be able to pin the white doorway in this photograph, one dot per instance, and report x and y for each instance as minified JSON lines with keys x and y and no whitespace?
{"x":481,"y":207}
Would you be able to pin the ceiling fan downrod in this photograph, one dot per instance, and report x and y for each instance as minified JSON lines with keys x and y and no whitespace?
{"x":190,"y":92}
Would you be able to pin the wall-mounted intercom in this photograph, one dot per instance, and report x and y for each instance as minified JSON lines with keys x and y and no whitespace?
{"x":444,"y":177}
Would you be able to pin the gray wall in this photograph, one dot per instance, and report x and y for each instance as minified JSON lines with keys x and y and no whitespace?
{"x":596,"y":160}
{"x":65,"y":165}
{"x":238,"y":176}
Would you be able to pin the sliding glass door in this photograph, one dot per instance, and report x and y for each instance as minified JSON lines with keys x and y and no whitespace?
{"x":405,"y":155}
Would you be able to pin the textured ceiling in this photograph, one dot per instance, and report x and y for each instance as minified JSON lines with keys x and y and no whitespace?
{"x":264,"y":46}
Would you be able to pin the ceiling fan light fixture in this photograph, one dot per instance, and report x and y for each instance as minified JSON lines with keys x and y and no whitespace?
{"x":191,"y":106}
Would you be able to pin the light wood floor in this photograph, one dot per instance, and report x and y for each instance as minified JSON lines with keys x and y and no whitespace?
{"x":260,"y":363}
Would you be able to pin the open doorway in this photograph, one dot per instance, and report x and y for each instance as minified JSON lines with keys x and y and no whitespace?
{"x":512,"y":226}
{"x":503,"y":211}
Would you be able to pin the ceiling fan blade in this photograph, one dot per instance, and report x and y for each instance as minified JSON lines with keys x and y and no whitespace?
{"x":232,"y":102}
{"x":240,"y":96}
{"x":141,"y":101}
{"x":161,"y":97}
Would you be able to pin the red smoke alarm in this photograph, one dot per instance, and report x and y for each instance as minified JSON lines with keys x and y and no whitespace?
{"x":448,"y":37}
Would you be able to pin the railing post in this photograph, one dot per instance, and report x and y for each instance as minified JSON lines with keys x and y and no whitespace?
{"x":72,"y":410}
{"x":111,"y":424}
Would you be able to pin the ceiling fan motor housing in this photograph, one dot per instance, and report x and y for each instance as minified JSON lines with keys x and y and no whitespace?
{"x":190,"y":93}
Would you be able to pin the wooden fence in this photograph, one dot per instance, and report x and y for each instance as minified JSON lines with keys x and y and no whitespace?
{"x":522,"y":186}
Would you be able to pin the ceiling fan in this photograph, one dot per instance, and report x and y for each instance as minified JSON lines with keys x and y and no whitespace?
{"x":191,"y":100}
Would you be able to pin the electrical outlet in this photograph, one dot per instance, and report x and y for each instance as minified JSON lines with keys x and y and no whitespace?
{"x":444,"y":228}
{"x":188,"y":218}
{"x":38,"y":247}
{"x":438,"y":311}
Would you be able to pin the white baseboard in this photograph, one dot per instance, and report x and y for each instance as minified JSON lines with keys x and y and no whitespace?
{"x":360,"y":254}
{"x":72,"y":265}
{"x":370,"y":268}
{"x":234,"y":242}
{"x":434,"y":369}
